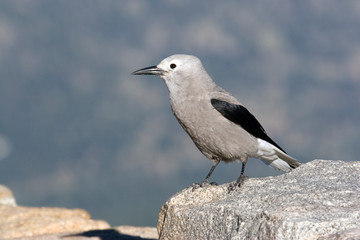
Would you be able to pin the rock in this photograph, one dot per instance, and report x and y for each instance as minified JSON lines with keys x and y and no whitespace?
{"x":6,"y":196}
{"x":18,"y":221}
{"x":350,"y":234}
{"x":315,"y":200}
{"x":32,"y":223}
{"x":143,"y":232}
{"x":117,"y":233}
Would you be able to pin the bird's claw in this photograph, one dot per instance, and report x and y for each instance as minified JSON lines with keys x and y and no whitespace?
{"x":233,"y":186}
{"x":204,"y":183}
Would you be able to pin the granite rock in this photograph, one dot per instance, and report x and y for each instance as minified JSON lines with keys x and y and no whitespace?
{"x":19,"y":221}
{"x":115,"y":233}
{"x":6,"y":196}
{"x":142,"y":232}
{"x":350,"y":234}
{"x":33,"y":223}
{"x":315,"y":200}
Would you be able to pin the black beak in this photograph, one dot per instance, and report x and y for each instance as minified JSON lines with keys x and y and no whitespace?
{"x":153,"y":70}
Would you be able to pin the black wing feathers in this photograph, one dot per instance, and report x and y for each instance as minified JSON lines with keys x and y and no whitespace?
{"x":241,"y":116}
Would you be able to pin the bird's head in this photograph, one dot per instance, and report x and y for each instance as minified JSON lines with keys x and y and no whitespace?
{"x":177,"y":71}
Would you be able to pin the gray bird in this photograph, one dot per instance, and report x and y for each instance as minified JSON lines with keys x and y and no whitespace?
{"x":219,"y":125}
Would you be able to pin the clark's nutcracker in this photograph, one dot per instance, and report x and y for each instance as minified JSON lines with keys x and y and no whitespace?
{"x":219,"y":125}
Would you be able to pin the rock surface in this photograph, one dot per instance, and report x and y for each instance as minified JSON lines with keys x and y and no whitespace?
{"x":116,"y":233}
{"x":33,"y":223}
{"x":6,"y":196}
{"x":318,"y":199}
{"x":350,"y":234}
{"x":18,"y":221}
{"x":143,"y":232}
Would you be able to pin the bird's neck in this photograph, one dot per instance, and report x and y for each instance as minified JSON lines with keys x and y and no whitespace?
{"x":192,"y":92}
{"x":189,"y":101}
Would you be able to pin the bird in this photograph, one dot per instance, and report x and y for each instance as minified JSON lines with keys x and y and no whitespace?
{"x":220,"y":126}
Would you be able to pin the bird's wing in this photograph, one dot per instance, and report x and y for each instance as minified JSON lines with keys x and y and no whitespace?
{"x":241,"y":116}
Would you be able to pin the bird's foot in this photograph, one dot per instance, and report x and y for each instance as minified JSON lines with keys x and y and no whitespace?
{"x":204,"y":183}
{"x":233,"y":186}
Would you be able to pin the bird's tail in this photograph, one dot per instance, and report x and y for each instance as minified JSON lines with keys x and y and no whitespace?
{"x":276,"y":157}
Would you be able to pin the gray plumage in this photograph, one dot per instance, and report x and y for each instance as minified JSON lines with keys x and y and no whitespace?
{"x":219,"y":125}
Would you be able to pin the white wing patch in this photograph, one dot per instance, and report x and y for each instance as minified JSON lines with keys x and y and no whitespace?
{"x":268,"y":153}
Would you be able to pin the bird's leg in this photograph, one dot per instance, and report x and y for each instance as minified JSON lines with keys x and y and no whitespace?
{"x":206,"y":181}
{"x":240,"y":179}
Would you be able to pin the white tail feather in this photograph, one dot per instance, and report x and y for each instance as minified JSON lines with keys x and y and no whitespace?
{"x":275,"y":157}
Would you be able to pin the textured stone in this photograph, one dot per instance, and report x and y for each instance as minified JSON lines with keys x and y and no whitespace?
{"x":18,"y":221}
{"x":316,"y":200}
{"x":350,"y":234}
{"x":143,"y":232}
{"x":32,"y":223}
{"x":116,"y":233}
{"x":6,"y":196}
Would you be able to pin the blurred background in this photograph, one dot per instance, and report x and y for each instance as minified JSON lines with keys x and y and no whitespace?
{"x":77,"y":130}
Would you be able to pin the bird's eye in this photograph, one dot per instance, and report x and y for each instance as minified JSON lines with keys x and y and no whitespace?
{"x":173,"y":65}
